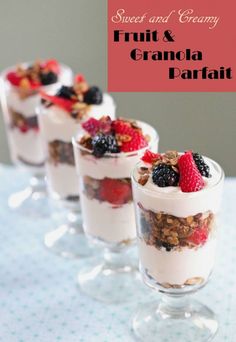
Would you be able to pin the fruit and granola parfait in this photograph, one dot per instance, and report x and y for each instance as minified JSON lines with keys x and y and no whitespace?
{"x":60,"y":117}
{"x":20,"y":86}
{"x":105,"y":156}
{"x":177,"y":197}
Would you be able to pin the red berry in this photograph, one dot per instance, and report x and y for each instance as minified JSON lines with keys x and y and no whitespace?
{"x":65,"y":104}
{"x":24,"y":128}
{"x":92,"y":126}
{"x":52,"y":65}
{"x":199,"y":236}
{"x":190,"y":178}
{"x":13,"y":78}
{"x":150,"y":157}
{"x":115,"y":191}
{"x":135,"y":140}
{"x":79,"y":78}
{"x":105,"y":124}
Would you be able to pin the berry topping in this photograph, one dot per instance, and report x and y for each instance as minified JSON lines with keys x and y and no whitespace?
{"x":93,"y":96}
{"x":65,"y":92}
{"x":92,"y":126}
{"x":35,"y":75}
{"x":190,"y":178}
{"x":199,"y":236}
{"x":48,"y":78}
{"x":131,"y":136}
{"x":115,"y":191}
{"x":113,"y":136}
{"x":164,"y":175}
{"x":150,"y":157}
{"x":201,"y":165}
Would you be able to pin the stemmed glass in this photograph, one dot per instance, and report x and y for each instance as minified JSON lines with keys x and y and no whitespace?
{"x":58,"y":126}
{"x":24,"y":138}
{"x":176,"y":272}
{"x":109,"y":221}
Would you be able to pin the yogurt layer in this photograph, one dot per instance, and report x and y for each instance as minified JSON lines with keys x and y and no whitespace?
{"x":106,"y":222}
{"x":176,"y":267}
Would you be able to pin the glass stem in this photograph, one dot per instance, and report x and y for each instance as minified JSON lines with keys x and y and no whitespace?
{"x":74,"y":221}
{"x":174,"y":306}
{"x":118,"y":258}
{"x":37,"y":183}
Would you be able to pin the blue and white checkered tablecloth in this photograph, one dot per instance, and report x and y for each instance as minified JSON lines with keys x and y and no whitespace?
{"x":39,"y":298}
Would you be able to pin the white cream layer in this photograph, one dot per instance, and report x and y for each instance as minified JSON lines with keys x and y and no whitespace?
{"x":172,"y":200}
{"x":102,"y":220}
{"x":26,"y":145}
{"x":62,"y":180}
{"x":176,"y":267}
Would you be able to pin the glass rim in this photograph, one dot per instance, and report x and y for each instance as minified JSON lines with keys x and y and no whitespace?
{"x":121,"y":154}
{"x":172,"y":195}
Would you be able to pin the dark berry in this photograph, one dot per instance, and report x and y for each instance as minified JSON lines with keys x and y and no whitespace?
{"x":48,"y":78}
{"x":167,"y":246}
{"x":93,"y":96}
{"x":112,"y":144}
{"x":65,"y":92}
{"x":99,"y":145}
{"x":164,"y":175}
{"x":32,"y":122}
{"x":203,"y":168}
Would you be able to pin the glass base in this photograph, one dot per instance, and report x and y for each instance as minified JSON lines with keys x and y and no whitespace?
{"x":110,"y":281}
{"x":164,"y":321}
{"x":31,"y":202}
{"x":68,"y":240}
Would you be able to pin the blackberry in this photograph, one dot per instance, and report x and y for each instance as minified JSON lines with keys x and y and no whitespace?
{"x":100,"y":145}
{"x":112,"y":144}
{"x":201,"y":165}
{"x":163,"y":175}
{"x":167,"y":246}
{"x":65,"y":92}
{"x":48,"y":78}
{"x":93,"y":96}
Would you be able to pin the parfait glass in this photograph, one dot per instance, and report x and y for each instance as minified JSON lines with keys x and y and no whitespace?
{"x":58,"y":127}
{"x":109,"y":220}
{"x":177,"y":236}
{"x":24,"y":139}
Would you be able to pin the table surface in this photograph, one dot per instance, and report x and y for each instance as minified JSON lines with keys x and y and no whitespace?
{"x":39,"y":298}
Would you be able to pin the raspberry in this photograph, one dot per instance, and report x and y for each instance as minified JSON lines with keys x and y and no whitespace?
{"x":164,"y":175}
{"x":115,"y":191}
{"x":58,"y":101}
{"x":92,"y":126}
{"x":24,"y":128}
{"x":79,"y":78}
{"x":190,"y":178}
{"x":199,"y":236}
{"x":13,"y":78}
{"x":136,"y":139}
{"x":52,"y":65}
{"x":150,"y":157}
